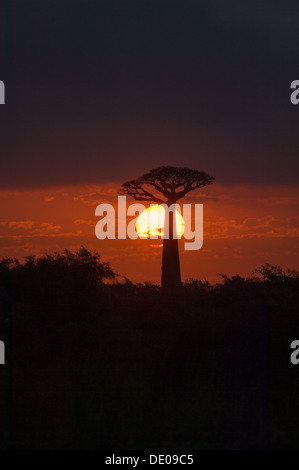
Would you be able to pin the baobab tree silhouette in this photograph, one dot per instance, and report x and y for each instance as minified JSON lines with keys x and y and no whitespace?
{"x":169,"y":184}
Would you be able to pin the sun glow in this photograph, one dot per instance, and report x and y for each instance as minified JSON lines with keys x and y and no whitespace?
{"x":150,"y":222}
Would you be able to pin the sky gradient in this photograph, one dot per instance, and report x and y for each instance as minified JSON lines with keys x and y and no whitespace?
{"x":99,"y":92}
{"x":244,"y":227}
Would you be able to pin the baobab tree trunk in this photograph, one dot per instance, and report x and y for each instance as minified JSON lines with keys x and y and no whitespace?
{"x":171,"y":271}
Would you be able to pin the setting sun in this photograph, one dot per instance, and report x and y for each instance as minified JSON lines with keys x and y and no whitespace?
{"x":150,"y":222}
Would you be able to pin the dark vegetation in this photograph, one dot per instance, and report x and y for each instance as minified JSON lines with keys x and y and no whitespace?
{"x":95,"y":363}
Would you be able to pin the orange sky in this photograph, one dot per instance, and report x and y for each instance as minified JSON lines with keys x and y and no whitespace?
{"x":244,"y":226}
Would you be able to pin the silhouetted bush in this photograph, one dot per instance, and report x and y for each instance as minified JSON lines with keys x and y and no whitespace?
{"x":96,"y":363}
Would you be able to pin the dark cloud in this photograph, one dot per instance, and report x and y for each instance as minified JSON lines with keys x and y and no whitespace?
{"x":103,"y":90}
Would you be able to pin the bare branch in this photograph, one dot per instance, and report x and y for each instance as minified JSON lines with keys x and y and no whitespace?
{"x":136,"y":190}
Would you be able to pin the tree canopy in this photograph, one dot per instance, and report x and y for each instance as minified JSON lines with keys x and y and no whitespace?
{"x":165,"y":184}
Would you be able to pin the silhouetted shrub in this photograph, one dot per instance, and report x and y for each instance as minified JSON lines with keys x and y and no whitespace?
{"x":96,"y":363}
